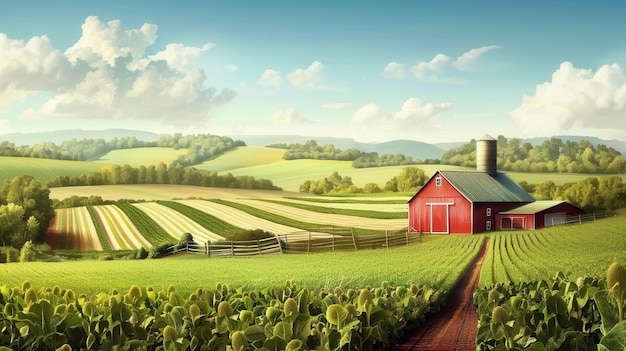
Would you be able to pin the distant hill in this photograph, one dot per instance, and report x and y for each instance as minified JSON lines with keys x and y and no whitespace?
{"x":60,"y":136}
{"x":415,"y":149}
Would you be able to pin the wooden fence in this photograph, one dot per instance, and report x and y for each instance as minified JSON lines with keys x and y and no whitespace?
{"x":301,"y":242}
{"x":583,"y":218}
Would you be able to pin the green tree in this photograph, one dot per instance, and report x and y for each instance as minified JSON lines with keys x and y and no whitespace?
{"x":11,"y":223}
{"x":32,"y":195}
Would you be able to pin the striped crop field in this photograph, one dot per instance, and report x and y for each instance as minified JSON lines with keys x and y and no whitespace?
{"x":238,"y":218}
{"x":120,"y":231}
{"x":379,"y":206}
{"x":73,"y":229}
{"x":245,"y":156}
{"x":175,"y":223}
{"x":326,"y":219}
{"x":577,"y":250}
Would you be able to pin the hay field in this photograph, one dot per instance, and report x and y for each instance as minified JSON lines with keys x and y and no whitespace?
{"x":242,"y":157}
{"x":43,"y":169}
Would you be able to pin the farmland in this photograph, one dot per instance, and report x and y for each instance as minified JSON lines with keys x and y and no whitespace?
{"x":44,"y":169}
{"x":141,"y":156}
{"x":73,"y":229}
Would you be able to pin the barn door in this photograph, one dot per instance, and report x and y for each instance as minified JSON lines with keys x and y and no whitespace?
{"x":439,"y":218}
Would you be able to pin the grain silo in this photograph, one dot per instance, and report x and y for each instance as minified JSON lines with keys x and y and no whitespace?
{"x":487,"y":155}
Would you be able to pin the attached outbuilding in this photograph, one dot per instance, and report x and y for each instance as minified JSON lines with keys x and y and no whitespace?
{"x":537,"y":215}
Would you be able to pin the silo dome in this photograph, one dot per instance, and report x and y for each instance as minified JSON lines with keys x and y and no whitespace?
{"x":487,"y":155}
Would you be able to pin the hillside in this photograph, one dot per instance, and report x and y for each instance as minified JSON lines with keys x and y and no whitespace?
{"x":60,"y":136}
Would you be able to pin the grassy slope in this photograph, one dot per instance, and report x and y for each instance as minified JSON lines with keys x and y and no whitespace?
{"x":243,"y":157}
{"x":142,"y":156}
{"x":44,"y":169}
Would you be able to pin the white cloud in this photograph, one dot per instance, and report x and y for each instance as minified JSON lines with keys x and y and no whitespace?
{"x":413,"y":115}
{"x":440,"y":65}
{"x":308,"y":78}
{"x":177,"y":55}
{"x":109,"y":41}
{"x":289,"y":116}
{"x":574,"y":101}
{"x":105,"y":75}
{"x":338,"y":105}
{"x":231,"y":68}
{"x":467,"y":60}
{"x":271,"y":78}
{"x":394,"y":70}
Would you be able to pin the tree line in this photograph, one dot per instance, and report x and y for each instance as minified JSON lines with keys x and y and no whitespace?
{"x":553,"y":155}
{"x":200,"y":147}
{"x":409,"y":179}
{"x":162,"y":174}
{"x":311,"y":150}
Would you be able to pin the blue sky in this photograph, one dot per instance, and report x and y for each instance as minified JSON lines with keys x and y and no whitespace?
{"x":372,"y":71}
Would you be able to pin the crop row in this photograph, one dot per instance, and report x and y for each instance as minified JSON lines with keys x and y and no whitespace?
{"x":204,"y":218}
{"x":72,"y":228}
{"x":364,"y":211}
{"x":150,"y":229}
{"x":579,"y":250}
{"x":120,"y":231}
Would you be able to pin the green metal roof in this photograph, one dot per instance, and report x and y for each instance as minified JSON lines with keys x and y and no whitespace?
{"x":534,"y":207}
{"x":481,"y":187}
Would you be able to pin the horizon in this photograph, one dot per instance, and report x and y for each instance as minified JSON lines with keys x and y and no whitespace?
{"x":370,"y":72}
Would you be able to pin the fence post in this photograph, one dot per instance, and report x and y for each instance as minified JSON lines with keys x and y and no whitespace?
{"x":308,"y":247}
{"x":280,"y":245}
{"x":356,"y":248}
{"x":258,"y":245}
{"x":387,"y":238}
{"x":594,"y":216}
{"x":333,"y":242}
{"x":187,"y":246}
{"x":407,"y":237}
{"x":232,"y":248}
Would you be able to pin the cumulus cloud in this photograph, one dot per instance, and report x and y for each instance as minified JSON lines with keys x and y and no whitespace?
{"x":394,"y":70}
{"x":271,"y":78}
{"x":231,"y":68}
{"x":440,"y":65}
{"x":106,"y":75}
{"x":338,"y":105}
{"x":289,"y":116}
{"x":308,"y":78}
{"x":574,"y":100}
{"x":413,"y":114}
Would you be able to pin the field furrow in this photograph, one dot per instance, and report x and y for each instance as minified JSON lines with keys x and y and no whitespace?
{"x":238,"y":218}
{"x":325,"y":218}
{"x":120,"y":231}
{"x":175,"y":223}
{"x":72,"y":228}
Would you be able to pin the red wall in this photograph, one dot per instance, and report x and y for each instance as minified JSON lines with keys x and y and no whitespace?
{"x":480,"y":214}
{"x":460,"y":217}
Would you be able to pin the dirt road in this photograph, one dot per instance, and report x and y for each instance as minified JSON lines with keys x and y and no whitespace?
{"x":455,"y":326}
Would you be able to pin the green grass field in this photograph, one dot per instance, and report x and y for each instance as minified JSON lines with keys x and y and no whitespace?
{"x":44,"y":169}
{"x":141,"y":156}
{"x":243,"y":157}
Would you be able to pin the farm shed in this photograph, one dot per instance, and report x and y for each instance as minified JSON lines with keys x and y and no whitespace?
{"x":467,"y":202}
{"x":537,"y":215}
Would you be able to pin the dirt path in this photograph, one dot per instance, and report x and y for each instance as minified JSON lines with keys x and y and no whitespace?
{"x":455,"y":326}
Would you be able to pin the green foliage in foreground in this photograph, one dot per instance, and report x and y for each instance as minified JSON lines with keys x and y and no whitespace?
{"x":341,"y":211}
{"x":554,"y":314}
{"x":208,"y":221}
{"x":283,"y":317}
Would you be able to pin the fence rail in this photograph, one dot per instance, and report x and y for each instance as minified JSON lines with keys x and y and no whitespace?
{"x":300,"y":242}
{"x":583,"y":218}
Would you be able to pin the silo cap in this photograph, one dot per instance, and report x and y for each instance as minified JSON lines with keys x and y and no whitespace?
{"x":487,"y":137}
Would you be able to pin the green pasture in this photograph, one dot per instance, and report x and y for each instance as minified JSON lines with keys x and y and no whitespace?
{"x":400,"y":265}
{"x":143,"y":156}
{"x":44,"y":169}
{"x":242,"y":157}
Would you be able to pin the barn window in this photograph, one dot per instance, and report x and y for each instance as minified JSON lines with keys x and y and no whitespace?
{"x":488,"y":211}
{"x":438,"y":181}
{"x":488,"y":225}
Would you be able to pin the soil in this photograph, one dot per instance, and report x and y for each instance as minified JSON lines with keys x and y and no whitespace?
{"x":455,"y":326}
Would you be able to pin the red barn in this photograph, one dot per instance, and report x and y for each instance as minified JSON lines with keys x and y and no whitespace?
{"x":467,"y":202}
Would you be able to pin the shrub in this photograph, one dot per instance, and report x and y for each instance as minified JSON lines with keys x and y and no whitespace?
{"x":158,"y":251}
{"x":9,"y":254}
{"x":247,"y":235}
{"x":27,"y":253}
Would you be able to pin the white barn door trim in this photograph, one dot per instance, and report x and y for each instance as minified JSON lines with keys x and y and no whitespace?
{"x":447,"y":204}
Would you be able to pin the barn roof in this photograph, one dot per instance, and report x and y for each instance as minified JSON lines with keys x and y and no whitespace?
{"x":481,"y":187}
{"x":534,"y":207}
